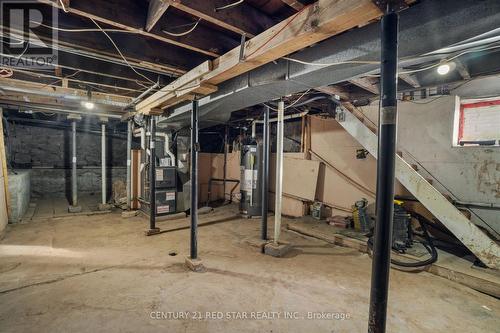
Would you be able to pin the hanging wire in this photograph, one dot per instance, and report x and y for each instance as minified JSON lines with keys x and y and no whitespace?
{"x":231,"y":5}
{"x":120,"y":52}
{"x":195,"y":24}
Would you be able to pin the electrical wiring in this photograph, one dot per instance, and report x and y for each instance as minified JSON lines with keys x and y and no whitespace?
{"x":120,"y":52}
{"x":139,"y":83}
{"x":292,"y":104}
{"x":63,"y":6}
{"x":373,"y":62}
{"x":234,"y":4}
{"x":84,"y":30}
{"x":449,"y":59}
{"x":59,"y":80}
{"x":185,"y":32}
{"x":20,"y":42}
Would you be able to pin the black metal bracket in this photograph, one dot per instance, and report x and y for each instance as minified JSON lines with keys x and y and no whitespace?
{"x":242,"y":47}
{"x":397,"y":5}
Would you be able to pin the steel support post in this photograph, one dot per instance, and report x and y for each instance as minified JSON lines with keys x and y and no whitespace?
{"x":265,"y":174}
{"x":103,"y":164}
{"x":194,"y":181}
{"x":74,"y":185}
{"x":129,"y":164}
{"x":226,"y":133}
{"x":385,"y":173}
{"x":152,"y":174}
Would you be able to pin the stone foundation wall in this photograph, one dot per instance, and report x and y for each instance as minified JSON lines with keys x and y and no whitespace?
{"x":47,"y":153}
{"x":57,"y":182}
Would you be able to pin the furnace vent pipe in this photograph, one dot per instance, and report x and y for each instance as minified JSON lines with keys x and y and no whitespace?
{"x":167,"y":147}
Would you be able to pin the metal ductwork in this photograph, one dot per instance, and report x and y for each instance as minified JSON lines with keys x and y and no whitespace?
{"x":425,"y":27}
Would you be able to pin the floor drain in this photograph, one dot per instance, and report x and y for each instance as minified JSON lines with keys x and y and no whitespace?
{"x":172,"y":253}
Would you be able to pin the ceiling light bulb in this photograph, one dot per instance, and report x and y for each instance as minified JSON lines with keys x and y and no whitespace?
{"x":443,"y":69}
{"x":88,"y":105}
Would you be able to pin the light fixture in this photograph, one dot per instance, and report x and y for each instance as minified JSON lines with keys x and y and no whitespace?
{"x":88,"y":105}
{"x":443,"y":69}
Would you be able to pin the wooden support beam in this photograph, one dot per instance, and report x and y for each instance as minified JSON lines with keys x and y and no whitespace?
{"x":462,"y":69}
{"x":189,"y":83}
{"x":44,"y":88}
{"x":294,"y":4}
{"x":311,"y":25}
{"x":367,"y":84}
{"x":410,"y":79}
{"x":241,"y":19}
{"x":155,"y":11}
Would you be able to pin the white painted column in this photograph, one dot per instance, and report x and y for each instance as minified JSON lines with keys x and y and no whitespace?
{"x":129,"y":164}
{"x":103,"y":160}
{"x":279,"y":172}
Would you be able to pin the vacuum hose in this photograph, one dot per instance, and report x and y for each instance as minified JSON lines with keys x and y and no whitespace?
{"x":428,"y":244}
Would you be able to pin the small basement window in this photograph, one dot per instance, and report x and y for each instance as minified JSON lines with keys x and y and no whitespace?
{"x":478,"y":123}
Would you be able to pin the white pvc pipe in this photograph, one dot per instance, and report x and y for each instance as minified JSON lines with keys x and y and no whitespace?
{"x":279,"y":172}
{"x":143,"y":138}
{"x":166,"y":148}
{"x":103,"y":162}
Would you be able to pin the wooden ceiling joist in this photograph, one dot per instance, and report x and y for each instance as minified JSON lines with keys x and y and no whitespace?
{"x":410,"y":79}
{"x":119,"y":15}
{"x":156,"y":9}
{"x":367,"y":84}
{"x":240,"y":19}
{"x":313,"y":24}
{"x":294,"y":4}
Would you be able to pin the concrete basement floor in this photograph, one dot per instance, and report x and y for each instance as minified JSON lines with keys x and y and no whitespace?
{"x":100,"y":273}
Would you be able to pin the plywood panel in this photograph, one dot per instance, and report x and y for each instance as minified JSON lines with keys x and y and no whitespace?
{"x":330,"y":141}
{"x":300,"y":177}
{"x":232,"y":172}
{"x":289,"y":206}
